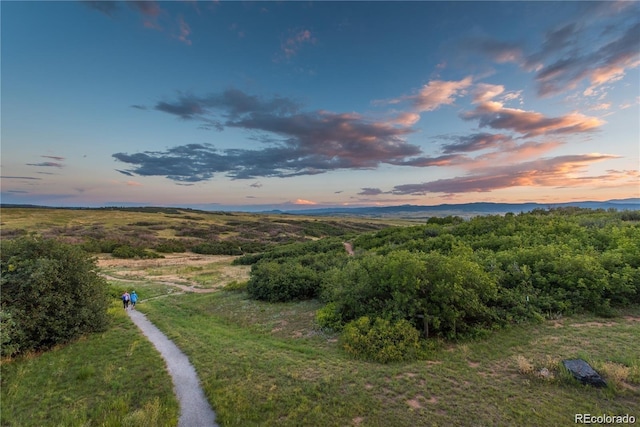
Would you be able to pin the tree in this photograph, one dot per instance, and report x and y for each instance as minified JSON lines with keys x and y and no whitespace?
{"x":51,"y":294}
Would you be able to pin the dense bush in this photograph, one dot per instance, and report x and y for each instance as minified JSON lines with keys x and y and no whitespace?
{"x":126,"y":251}
{"x":51,"y":294}
{"x":453,"y":292}
{"x":97,"y":246}
{"x":329,"y":317}
{"x":170,"y":246}
{"x":275,"y":282}
{"x":454,"y":277}
{"x":218,"y":248}
{"x":381,"y":341}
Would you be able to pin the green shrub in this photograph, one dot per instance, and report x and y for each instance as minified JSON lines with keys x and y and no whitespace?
{"x":278,"y":282}
{"x":100,"y":245}
{"x":328,"y":317}
{"x":9,"y":334}
{"x":218,"y":248}
{"x":248,"y":259}
{"x":236,"y":286}
{"x":51,"y":294}
{"x":381,"y":341}
{"x":170,"y":246}
{"x":126,"y":251}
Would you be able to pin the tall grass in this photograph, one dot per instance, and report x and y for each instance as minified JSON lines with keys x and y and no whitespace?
{"x":111,"y":379}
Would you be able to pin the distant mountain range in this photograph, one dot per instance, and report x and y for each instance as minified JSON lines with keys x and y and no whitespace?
{"x":464,"y":210}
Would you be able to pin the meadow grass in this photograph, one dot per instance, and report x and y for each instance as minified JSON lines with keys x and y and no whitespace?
{"x":115,"y":378}
{"x":163,"y":224}
{"x":267,"y":364}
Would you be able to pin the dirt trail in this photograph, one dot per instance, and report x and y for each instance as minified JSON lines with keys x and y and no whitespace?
{"x":184,"y":288}
{"x":195,"y":410}
{"x":348,"y":247}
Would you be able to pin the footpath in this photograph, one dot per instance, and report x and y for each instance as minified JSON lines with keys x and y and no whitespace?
{"x":195,"y":410}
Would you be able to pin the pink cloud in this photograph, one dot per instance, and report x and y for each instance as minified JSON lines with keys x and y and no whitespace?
{"x":484,"y":92}
{"x":185,"y":31}
{"x":434,"y":94}
{"x":438,"y":92}
{"x":304,"y":202}
{"x":559,"y":171}
{"x":493,"y":114}
{"x":292,"y":45}
{"x":406,"y":119}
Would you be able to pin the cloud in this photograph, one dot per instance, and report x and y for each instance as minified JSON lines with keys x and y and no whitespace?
{"x":232,"y":102}
{"x":20,"y":177}
{"x":256,"y":185}
{"x":597,"y":47}
{"x":545,"y":172}
{"x":294,"y":42}
{"x":125,"y":172}
{"x":606,"y":64}
{"x":484,"y":92}
{"x":370,"y":192}
{"x":406,"y":119}
{"x":493,"y":114}
{"x":499,"y":51}
{"x":46,"y":164}
{"x":58,"y":158}
{"x":425,"y":161}
{"x":475,"y":142}
{"x":434,"y":94}
{"x":602,"y":106}
{"x":107,"y":7}
{"x":297,"y":142}
{"x":304,"y":202}
{"x":145,"y":7}
{"x":185,"y":31}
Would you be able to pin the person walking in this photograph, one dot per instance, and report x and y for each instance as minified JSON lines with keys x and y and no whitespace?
{"x":134,"y":299}
{"x":125,"y":299}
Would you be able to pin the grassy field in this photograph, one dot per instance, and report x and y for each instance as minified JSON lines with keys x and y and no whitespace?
{"x":147,"y":227}
{"x":113,"y":379}
{"x":266,"y":364}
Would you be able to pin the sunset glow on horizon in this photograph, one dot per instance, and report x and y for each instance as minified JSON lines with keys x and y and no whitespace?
{"x":315,"y":104}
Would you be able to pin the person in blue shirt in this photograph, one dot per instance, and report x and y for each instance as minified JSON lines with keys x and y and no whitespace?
{"x":125,"y":299}
{"x":134,"y":299}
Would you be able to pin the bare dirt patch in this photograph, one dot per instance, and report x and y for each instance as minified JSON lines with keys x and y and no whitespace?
{"x":188,"y":272}
{"x":348,"y":248}
{"x":589,"y":324}
{"x":184,"y":259}
{"x":414,"y":403}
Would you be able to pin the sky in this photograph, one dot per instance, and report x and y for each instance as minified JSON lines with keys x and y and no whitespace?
{"x":252,"y":105}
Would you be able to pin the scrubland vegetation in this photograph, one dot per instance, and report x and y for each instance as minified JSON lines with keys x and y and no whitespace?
{"x":459,"y":322}
{"x":452,"y":278}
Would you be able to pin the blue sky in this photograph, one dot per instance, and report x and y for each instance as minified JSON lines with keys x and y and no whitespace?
{"x":278,"y":104}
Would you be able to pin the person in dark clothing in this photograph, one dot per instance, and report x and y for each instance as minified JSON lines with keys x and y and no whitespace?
{"x":125,"y":299}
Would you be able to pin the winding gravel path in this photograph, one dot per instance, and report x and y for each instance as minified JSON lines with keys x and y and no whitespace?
{"x":194,"y":407}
